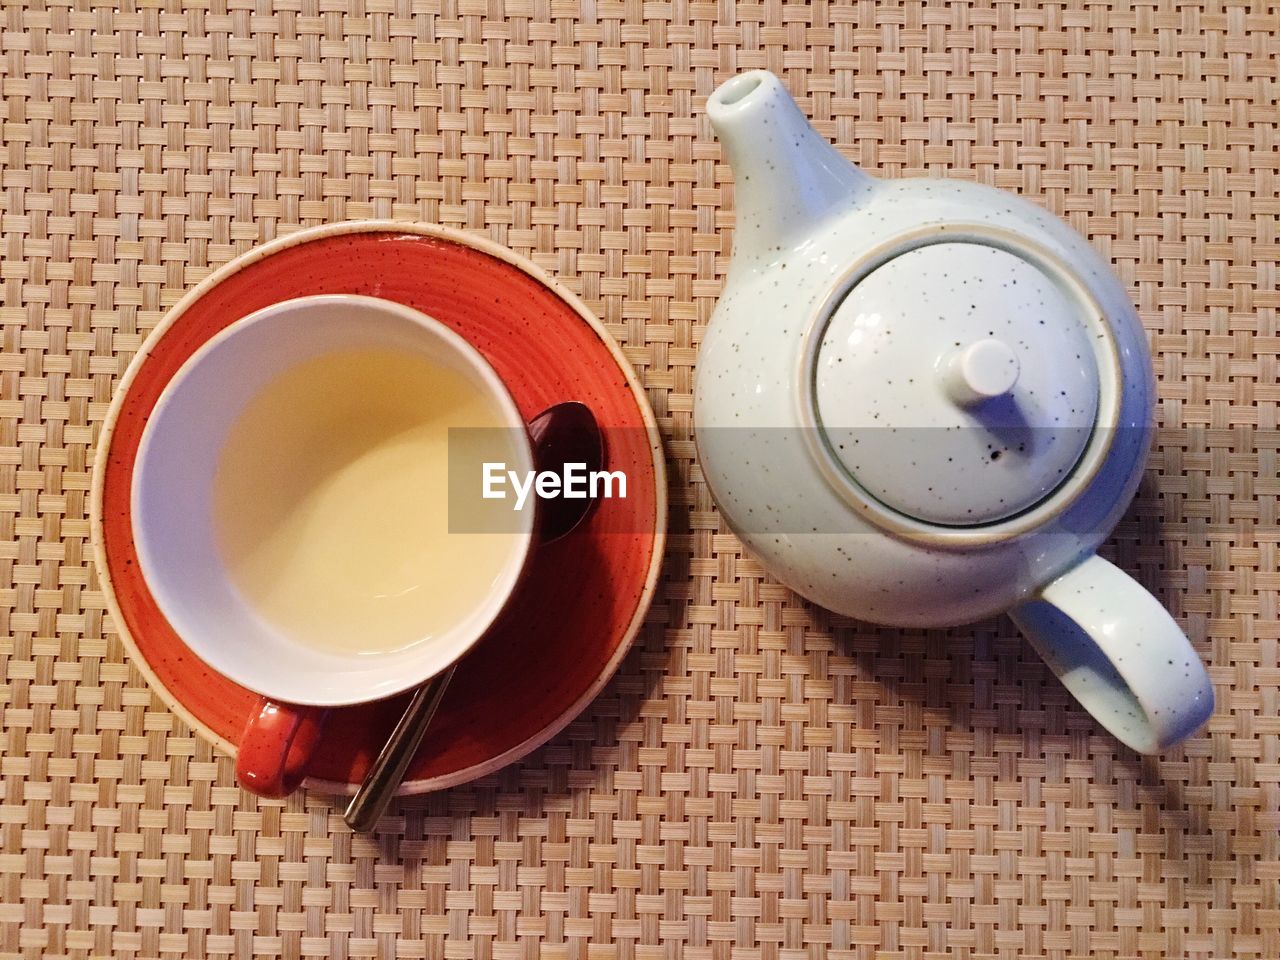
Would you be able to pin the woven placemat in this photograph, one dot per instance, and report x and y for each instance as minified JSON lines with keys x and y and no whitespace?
{"x":760,"y":780}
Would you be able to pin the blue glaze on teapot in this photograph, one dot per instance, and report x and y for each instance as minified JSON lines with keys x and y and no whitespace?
{"x":924,"y":402}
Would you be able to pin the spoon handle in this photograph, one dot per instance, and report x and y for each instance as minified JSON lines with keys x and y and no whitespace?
{"x":564,"y":433}
{"x":388,"y":770}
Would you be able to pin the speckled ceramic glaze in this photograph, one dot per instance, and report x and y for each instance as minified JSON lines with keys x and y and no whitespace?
{"x":925,"y":402}
{"x":583,"y":598}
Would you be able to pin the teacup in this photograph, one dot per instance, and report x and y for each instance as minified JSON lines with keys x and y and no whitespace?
{"x":232,"y":492}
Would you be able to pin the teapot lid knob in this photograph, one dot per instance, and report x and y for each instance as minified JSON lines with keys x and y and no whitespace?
{"x":958,"y":381}
{"x":980,"y":372}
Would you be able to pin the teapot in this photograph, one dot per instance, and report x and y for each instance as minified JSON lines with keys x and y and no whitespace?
{"x":924,"y":402}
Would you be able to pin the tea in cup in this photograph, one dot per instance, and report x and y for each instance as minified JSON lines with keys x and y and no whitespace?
{"x":291,"y":512}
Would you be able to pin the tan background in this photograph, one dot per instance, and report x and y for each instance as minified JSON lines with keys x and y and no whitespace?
{"x":760,"y":780}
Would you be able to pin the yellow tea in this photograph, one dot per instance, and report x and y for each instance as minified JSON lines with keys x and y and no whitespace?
{"x":331,"y":502}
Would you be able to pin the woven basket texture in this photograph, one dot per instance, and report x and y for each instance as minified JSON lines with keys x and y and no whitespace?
{"x":761,"y":780}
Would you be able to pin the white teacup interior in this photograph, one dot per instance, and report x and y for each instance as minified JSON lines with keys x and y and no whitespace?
{"x":174,"y":492}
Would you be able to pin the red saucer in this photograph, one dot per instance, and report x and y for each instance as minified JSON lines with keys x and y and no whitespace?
{"x":585,"y":596}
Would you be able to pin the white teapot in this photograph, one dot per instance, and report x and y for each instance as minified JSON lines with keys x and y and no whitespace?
{"x":924,"y":402}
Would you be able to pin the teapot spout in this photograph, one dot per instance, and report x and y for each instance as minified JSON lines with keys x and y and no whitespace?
{"x":787,"y":177}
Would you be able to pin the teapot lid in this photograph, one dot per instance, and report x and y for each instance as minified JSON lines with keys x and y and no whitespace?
{"x":958,"y":382}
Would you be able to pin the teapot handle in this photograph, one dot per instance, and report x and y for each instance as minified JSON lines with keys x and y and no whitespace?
{"x":1120,"y":654}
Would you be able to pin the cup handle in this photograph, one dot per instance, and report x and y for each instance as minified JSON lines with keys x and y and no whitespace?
{"x":277,"y":746}
{"x":1120,"y":654}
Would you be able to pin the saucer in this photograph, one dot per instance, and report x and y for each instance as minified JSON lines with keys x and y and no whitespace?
{"x":584,"y":598}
